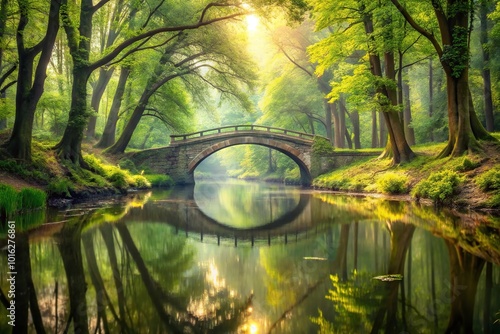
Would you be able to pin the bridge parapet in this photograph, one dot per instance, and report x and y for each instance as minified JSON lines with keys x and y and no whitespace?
{"x":232,"y":129}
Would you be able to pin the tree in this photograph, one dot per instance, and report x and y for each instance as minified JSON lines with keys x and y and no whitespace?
{"x":454,"y":22}
{"x":206,"y":55}
{"x":367,"y":26}
{"x":484,"y":10}
{"x":33,"y":62}
{"x":79,"y":41}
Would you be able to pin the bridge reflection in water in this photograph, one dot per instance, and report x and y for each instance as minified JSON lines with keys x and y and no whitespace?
{"x":184,"y":213}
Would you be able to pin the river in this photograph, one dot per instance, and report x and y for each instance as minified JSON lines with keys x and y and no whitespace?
{"x":241,"y":257}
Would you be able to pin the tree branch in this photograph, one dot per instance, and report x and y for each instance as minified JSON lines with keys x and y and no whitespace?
{"x":430,"y":36}
{"x":113,"y":54}
{"x":98,"y":5}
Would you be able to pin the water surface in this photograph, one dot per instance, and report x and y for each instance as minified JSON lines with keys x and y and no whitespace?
{"x":256,"y":258}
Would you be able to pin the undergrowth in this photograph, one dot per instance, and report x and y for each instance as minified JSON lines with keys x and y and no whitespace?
{"x":12,"y":201}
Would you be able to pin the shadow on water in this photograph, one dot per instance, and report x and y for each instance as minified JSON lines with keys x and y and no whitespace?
{"x":158,"y":261}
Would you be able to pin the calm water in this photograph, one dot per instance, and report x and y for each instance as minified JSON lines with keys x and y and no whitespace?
{"x":255,"y":258}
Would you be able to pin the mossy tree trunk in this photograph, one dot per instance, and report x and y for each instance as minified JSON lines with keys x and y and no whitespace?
{"x":30,"y":80}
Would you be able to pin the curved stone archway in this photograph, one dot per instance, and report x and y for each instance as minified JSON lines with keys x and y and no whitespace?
{"x":301,"y":159}
{"x":187,"y":151}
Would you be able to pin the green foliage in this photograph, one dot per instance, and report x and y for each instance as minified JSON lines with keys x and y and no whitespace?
{"x":118,"y":179}
{"x":8,"y":200}
{"x":159,"y":180}
{"x":322,"y":146}
{"x":489,"y":180}
{"x":95,"y":164}
{"x":60,"y":187}
{"x":31,"y":198}
{"x":466,"y":164}
{"x":392,"y":183}
{"x":439,"y":186}
{"x":129,"y":165}
{"x":494,"y":201}
{"x":12,"y":201}
{"x":141,"y":182}
{"x":457,"y":54}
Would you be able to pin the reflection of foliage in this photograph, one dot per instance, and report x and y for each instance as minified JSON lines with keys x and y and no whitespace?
{"x":354,"y":302}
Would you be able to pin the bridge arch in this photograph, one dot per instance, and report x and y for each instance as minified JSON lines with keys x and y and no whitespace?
{"x":293,"y":153}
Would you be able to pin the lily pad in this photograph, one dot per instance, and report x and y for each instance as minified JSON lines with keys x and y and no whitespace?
{"x":389,"y":278}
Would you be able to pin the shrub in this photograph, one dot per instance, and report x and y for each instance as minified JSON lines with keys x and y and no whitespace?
{"x":119,"y":179}
{"x":489,"y":180}
{"x":60,"y":187}
{"x":95,"y":164}
{"x":31,"y":198}
{"x":8,"y":202}
{"x":392,"y":183}
{"x":159,"y":180}
{"x":129,"y":165}
{"x":322,"y":146}
{"x":465,"y":164}
{"x":439,"y":186}
{"x":494,"y":201}
{"x":141,"y":182}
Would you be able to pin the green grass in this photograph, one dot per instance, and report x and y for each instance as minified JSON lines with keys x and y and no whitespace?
{"x":12,"y":201}
{"x":8,"y":200}
{"x":159,"y":180}
{"x":31,"y":198}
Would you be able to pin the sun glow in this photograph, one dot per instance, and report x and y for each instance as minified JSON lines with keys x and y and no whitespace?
{"x":252,"y":22}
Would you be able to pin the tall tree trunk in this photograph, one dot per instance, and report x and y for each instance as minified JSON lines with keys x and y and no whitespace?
{"x":400,"y":150}
{"x":382,"y":134}
{"x":69,"y":147}
{"x":338,"y":138}
{"x":95,"y":101}
{"x":342,"y":113}
{"x":488,"y":102}
{"x":354,"y":116}
{"x":106,"y":74}
{"x":328,"y":120}
{"x":70,"y":144}
{"x":121,"y":144}
{"x":108,"y":136}
{"x":431,"y":98}
{"x":30,"y":83}
{"x":408,"y":129}
{"x":374,"y":130}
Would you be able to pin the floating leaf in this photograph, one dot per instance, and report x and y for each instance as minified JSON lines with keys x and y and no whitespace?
{"x":389,"y":278}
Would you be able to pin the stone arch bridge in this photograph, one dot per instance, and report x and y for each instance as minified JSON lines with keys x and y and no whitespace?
{"x":187,"y":151}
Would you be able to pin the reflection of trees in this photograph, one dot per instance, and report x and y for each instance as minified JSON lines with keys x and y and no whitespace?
{"x":401,"y":235}
{"x":26,"y":298}
{"x":357,"y":298}
{"x":69,"y":244}
{"x":465,"y":270}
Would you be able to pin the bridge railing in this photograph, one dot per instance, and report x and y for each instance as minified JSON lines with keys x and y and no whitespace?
{"x":236,"y":128}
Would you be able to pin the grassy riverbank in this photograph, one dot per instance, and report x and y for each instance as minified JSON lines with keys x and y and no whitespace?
{"x":63,"y":181}
{"x":471,"y":181}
